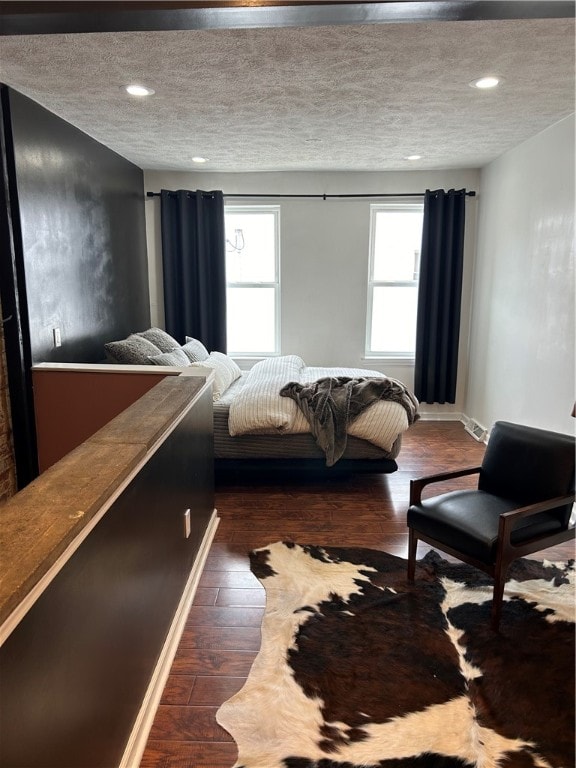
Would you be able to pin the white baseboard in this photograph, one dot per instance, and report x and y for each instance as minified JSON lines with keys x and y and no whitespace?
{"x":441,"y":415}
{"x":471,"y":426}
{"x":139,"y":736}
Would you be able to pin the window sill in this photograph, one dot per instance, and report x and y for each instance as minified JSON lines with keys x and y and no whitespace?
{"x":238,"y":356}
{"x":391,"y":360}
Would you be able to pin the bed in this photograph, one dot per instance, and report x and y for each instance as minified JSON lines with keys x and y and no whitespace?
{"x":263,"y":419}
{"x":255,"y":427}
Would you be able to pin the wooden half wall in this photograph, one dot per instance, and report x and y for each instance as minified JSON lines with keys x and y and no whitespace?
{"x":101,"y":556}
{"x":72,"y":401}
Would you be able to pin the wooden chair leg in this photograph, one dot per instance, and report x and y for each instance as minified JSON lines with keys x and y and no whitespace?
{"x":412,"y":546}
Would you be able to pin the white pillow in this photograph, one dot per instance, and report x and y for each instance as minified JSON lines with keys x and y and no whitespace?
{"x":226,"y":371}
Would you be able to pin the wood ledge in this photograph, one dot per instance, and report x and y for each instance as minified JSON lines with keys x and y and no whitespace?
{"x":41,"y":522}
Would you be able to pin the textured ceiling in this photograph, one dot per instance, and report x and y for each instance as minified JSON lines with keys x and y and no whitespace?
{"x":346,"y":97}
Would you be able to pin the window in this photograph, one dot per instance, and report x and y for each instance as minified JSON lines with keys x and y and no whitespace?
{"x":252,"y":280}
{"x":395,"y":241}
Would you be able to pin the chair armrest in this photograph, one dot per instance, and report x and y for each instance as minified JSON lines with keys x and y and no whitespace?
{"x":417,"y":486}
{"x":507,"y":519}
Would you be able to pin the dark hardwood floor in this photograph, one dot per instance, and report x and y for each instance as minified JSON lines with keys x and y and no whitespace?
{"x":222,"y":632}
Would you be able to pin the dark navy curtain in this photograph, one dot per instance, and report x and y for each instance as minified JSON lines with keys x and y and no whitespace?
{"x":194,"y":268}
{"x":439,"y":296}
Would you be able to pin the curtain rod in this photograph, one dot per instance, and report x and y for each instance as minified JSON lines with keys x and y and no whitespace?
{"x":325,"y":196}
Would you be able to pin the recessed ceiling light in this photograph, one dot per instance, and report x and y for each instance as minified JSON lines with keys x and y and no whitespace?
{"x":199,"y":159}
{"x":413,"y":157}
{"x":139,"y":90}
{"x":486,"y":82}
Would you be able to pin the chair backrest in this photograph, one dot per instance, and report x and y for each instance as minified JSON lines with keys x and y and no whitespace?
{"x":529,"y":465}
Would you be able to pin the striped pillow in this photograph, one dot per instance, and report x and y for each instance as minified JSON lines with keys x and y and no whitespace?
{"x":225,"y":370}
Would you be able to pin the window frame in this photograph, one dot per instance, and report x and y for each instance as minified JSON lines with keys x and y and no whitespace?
{"x":417,"y":204}
{"x":259,"y":209}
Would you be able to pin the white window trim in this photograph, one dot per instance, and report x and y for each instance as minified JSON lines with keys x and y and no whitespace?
{"x":274,"y":209}
{"x":392,"y":357}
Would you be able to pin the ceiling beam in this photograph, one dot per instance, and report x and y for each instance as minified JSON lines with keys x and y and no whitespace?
{"x":21,"y":18}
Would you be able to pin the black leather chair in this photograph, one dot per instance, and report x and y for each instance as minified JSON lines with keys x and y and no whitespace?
{"x":522,"y":504}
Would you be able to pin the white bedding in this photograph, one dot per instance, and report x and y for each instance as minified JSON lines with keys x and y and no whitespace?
{"x":259,"y":409}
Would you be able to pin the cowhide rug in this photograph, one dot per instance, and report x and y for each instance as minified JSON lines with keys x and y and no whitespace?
{"x":360,"y":668}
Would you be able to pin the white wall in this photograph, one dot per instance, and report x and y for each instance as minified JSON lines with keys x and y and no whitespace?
{"x":324,"y":257}
{"x":522,"y":341}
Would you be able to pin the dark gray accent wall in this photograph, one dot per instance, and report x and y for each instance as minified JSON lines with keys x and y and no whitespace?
{"x":82,"y":221}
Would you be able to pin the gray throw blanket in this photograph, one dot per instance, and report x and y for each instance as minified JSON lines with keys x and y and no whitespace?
{"x":332,"y":403}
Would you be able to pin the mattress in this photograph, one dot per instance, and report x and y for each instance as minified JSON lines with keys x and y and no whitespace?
{"x":281,"y":446}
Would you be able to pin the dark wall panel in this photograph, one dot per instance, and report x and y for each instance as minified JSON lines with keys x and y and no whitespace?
{"x":83,"y":236}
